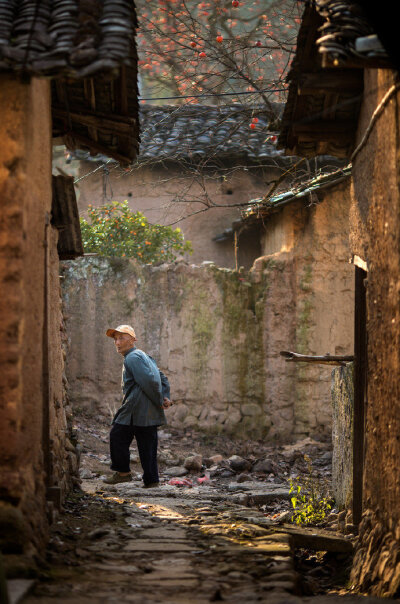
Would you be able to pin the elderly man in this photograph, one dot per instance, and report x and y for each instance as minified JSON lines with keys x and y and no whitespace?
{"x":146,"y":395}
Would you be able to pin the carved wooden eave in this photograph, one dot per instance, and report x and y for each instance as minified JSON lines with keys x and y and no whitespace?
{"x":87,"y":48}
{"x":335,"y":44}
{"x":321,"y":113}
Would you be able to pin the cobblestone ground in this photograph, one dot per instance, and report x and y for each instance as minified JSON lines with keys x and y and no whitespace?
{"x":176,"y":545}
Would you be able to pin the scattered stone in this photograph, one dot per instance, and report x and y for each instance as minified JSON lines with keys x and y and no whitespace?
{"x":240,"y":499}
{"x":258,"y":498}
{"x":86,"y":474}
{"x":18,"y":589}
{"x":162,"y":435}
{"x":264,"y":465}
{"x":243,"y":478}
{"x":173,"y":461}
{"x":226,"y":474}
{"x":98,"y":533}
{"x":176,"y":471}
{"x":194,"y":463}
{"x":239,"y":464}
{"x":213,"y":460}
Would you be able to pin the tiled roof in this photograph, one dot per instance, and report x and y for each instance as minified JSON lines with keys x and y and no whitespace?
{"x":77,"y":38}
{"x":262,"y":207}
{"x":346,"y":35}
{"x":198,"y":132}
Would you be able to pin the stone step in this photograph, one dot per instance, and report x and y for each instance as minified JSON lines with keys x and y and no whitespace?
{"x":316,"y":539}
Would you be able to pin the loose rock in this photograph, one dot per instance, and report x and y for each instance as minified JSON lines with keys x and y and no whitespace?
{"x":176,"y":471}
{"x":194,"y":463}
{"x":239,"y":464}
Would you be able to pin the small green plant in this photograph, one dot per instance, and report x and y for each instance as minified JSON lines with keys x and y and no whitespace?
{"x":115,"y":230}
{"x":309,"y":497}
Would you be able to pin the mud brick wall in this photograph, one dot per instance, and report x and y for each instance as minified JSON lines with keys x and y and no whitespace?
{"x":218,"y":333}
{"x":342,"y":435}
{"x":25,"y":197}
{"x":375,"y":236}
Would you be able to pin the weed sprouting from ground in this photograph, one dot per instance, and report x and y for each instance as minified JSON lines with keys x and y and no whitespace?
{"x":310,"y":498}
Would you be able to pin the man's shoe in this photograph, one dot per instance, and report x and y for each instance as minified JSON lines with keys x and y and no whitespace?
{"x":116,"y":478}
{"x":150,"y":485}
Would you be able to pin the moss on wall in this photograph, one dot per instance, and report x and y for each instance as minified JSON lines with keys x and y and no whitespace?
{"x":243,"y":304}
{"x":202,"y":323}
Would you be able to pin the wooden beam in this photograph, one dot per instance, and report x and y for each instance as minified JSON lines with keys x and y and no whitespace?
{"x":90,"y":96}
{"x":325,"y":130}
{"x":326,"y":359}
{"x":332,"y":80}
{"x":71,"y":137}
{"x":114,"y":124}
{"x":354,"y":63}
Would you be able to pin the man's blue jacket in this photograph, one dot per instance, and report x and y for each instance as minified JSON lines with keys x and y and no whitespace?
{"x":144,"y":388}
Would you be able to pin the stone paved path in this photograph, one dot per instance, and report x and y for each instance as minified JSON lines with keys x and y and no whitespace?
{"x":174,"y":546}
{"x":169,"y":545}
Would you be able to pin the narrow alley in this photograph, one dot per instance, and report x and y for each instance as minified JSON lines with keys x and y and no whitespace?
{"x":225,"y":538}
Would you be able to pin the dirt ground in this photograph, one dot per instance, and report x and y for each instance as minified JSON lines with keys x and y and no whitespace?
{"x":221,"y":540}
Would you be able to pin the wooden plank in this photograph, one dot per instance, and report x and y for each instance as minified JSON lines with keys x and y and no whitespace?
{"x":88,"y":87}
{"x":360,"y":391}
{"x":332,"y":80}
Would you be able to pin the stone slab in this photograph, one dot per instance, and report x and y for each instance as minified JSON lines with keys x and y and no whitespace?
{"x":164,"y":533}
{"x":317,"y":539}
{"x":18,"y":589}
{"x":155,"y":546}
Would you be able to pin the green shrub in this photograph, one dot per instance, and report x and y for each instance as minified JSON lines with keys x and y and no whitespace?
{"x":115,"y":230}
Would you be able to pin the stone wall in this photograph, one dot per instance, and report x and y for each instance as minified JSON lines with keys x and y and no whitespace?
{"x":31,"y":418}
{"x":375,"y":236}
{"x":218,"y":333}
{"x":342,"y":435}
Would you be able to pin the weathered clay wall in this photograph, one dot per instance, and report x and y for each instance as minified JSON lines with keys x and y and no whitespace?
{"x":217,"y":333}
{"x":25,"y":194}
{"x":313,"y":240}
{"x":168,"y":194}
{"x":376,"y":237}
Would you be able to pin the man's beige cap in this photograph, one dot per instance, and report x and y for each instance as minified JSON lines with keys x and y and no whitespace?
{"x":121,"y":329}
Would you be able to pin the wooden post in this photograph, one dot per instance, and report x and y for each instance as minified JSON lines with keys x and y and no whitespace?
{"x":360,"y":391}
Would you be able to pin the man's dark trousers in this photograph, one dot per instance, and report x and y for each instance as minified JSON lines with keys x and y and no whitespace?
{"x":121,"y":436}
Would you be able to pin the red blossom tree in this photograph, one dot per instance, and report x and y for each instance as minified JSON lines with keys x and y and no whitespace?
{"x":211,"y":47}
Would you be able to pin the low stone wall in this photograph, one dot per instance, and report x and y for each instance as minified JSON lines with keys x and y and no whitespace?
{"x":215,"y":332}
{"x":342,"y":435}
{"x":376,"y":565}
